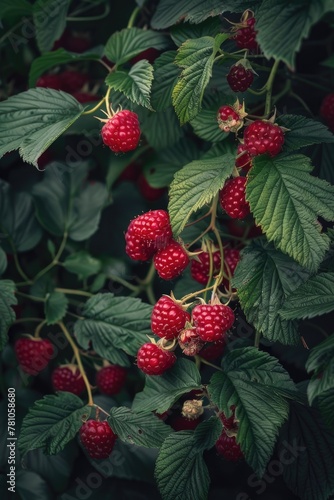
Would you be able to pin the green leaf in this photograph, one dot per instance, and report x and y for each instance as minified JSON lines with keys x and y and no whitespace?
{"x":303,"y":132}
{"x":205,"y":124}
{"x":31,"y":486}
{"x":162,"y":129}
{"x":7,"y":315}
{"x":83,"y":264}
{"x":135,"y":84}
{"x":17,"y":220}
{"x":15,"y":8}
{"x":305,"y":303}
{"x":329,"y":62}
{"x":66,"y":203}
{"x":55,"y":307}
{"x":197,"y":58}
{"x":185,"y":31}
{"x":254,"y":382}
{"x":195,"y":185}
{"x":128,"y":43}
{"x":161,"y":392}
{"x":143,"y":429}
{"x":321,"y":362}
{"x":33,"y":120}
{"x":50,"y":21}
{"x":3,"y":261}
{"x":110,"y":330}
{"x":325,"y":404}
{"x":322,"y":156}
{"x":264,"y":278}
{"x":282,"y":25}
{"x":207,"y":433}
{"x":286,"y":201}
{"x":52,"y":422}
{"x":165,"y":77}
{"x":57,"y":57}
{"x":306,"y":448}
{"x":181,"y":472}
{"x":52,"y":248}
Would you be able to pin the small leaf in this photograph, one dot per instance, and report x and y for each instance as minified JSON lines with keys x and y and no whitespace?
{"x":303,"y":132}
{"x":55,"y":307}
{"x":50,"y":21}
{"x":52,"y":248}
{"x":82,"y":264}
{"x":7,"y":315}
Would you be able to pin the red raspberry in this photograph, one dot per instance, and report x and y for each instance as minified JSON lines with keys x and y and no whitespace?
{"x":171,"y":261}
{"x":130,"y":173}
{"x":200,"y":270}
{"x":239,"y":78}
{"x":154,"y":227}
{"x":149,"y":54}
{"x":149,"y":193}
{"x":73,"y":81}
{"x":181,"y":423}
{"x":168,"y":318}
{"x":228,"y":119}
{"x":84,"y":97}
{"x":327,"y":111}
{"x":68,"y":378}
{"x":212,"y":321}
{"x":213,"y":350}
{"x":110,"y":379}
{"x":190,"y":342}
{"x":153,"y":360}
{"x":33,"y":354}
{"x":229,"y":423}
{"x":98,"y":438}
{"x":121,"y":132}
{"x":50,"y":82}
{"x":245,"y":37}
{"x":233,"y":198}
{"x":245,"y":161}
{"x":231,"y":259}
{"x":136,"y":247}
{"x":228,"y":447}
{"x":262,"y":137}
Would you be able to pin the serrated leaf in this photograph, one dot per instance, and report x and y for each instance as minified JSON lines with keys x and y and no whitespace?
{"x":197,"y":58}
{"x":205,"y":124}
{"x":55,"y":307}
{"x":325,"y":404}
{"x":165,"y":77}
{"x":322,"y":157}
{"x":254,"y":382}
{"x":306,"y":448}
{"x":7,"y":315}
{"x":161,"y":392}
{"x":83,"y":264}
{"x":207,"y":433}
{"x":181,"y":472}
{"x":303,"y":132}
{"x":3,"y":261}
{"x":135,"y":84}
{"x":128,"y":43}
{"x":50,"y":21}
{"x":185,"y":31}
{"x":33,"y":120}
{"x":286,"y":202}
{"x":110,"y":330}
{"x":264,"y":278}
{"x":195,"y":185}
{"x":52,"y":422}
{"x":143,"y":429}
{"x":321,"y":362}
{"x":162,"y":129}
{"x":304,"y":303}
{"x":283,"y":25}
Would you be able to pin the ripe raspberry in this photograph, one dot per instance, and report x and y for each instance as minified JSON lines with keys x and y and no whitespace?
{"x":149,"y":54}
{"x":200,"y":270}
{"x":212,"y":321}
{"x":171,"y":261}
{"x":233,"y":198}
{"x":33,"y":354}
{"x":154,"y":227}
{"x":50,"y":82}
{"x":228,"y":447}
{"x":110,"y":379}
{"x":181,"y":423}
{"x":137,"y":248}
{"x":213,"y":350}
{"x":327,"y":111}
{"x":190,"y":342}
{"x":231,"y":259}
{"x":168,"y":318}
{"x":98,"y":438}
{"x":68,"y":378}
{"x":262,"y":137}
{"x":239,"y":78}
{"x":131,"y":172}
{"x":72,"y":81}
{"x":245,"y":37}
{"x":245,"y":161}
{"x":228,"y":119}
{"x":84,"y":97}
{"x":229,"y":423}
{"x":121,"y":132}
{"x":149,"y":193}
{"x":153,"y":360}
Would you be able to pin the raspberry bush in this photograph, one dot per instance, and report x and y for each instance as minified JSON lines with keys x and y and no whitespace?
{"x":166,"y":253}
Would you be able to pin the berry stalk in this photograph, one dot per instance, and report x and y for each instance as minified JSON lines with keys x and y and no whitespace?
{"x":269,"y":87}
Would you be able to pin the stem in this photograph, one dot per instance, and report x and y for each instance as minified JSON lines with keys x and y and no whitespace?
{"x":123,"y":282}
{"x":257,"y":92}
{"x":39,"y":328}
{"x":91,"y":18}
{"x":205,"y":362}
{"x":31,"y":297}
{"x":133,"y":17}
{"x":149,"y":277}
{"x":150,"y":294}
{"x":312,"y":84}
{"x":257,"y":339}
{"x":69,"y":291}
{"x":55,"y":260}
{"x":78,"y":359}
{"x":74,"y":315}
{"x":95,"y":107}
{"x":269,"y":87}
{"x":20,"y":270}
{"x":26,"y":320}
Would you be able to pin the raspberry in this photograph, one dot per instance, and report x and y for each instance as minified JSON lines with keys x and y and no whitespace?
{"x":50,"y":82}
{"x":231,"y":259}
{"x":136,"y":247}
{"x":262,"y":137}
{"x":98,"y":438}
{"x":84,"y":97}
{"x":121,"y":132}
{"x":239,"y":78}
{"x":213,"y":350}
{"x":228,"y":447}
{"x":153,"y":360}
{"x":73,"y":81}
{"x":233,"y":198}
{"x":245,"y":37}
{"x":245,"y":161}
{"x":229,"y":423}
{"x":327,"y":111}
{"x":110,"y":379}
{"x":131,"y":172}
{"x":33,"y":354}
{"x":181,"y":423}
{"x":154,"y":227}
{"x":149,"y":193}
{"x":212,"y":321}
{"x":168,"y":318}
{"x":149,"y":54}
{"x":171,"y":261}
{"x":228,"y":119}
{"x":68,"y":378}
{"x":200,"y":270}
{"x":190,"y":342}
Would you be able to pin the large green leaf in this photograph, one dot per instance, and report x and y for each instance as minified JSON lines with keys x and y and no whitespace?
{"x":161,"y":392}
{"x":7,"y":315}
{"x":55,"y":307}
{"x":110,"y":330}
{"x":321,"y":363}
{"x":83,"y":264}
{"x":254,"y":382}
{"x":50,"y":21}
{"x":286,"y":202}
{"x":325,"y":404}
{"x":34,"y":119}
{"x":165,"y":77}
{"x":162,"y":129}
{"x":195,"y":185}
{"x":303,"y":132}
{"x":205,"y":124}
{"x":196,"y":57}
{"x":283,"y":24}
{"x":264,"y":278}
{"x":52,"y":422}
{"x":185,"y":31}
